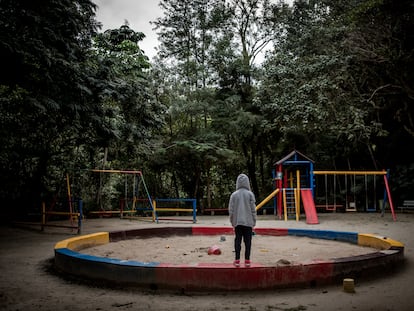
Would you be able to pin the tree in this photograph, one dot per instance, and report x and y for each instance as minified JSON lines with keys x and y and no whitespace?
{"x":211,"y":47}
{"x":381,"y":48}
{"x":46,"y":103}
{"x":381,"y":45}
{"x":309,"y":90}
{"x":120,"y":72}
{"x":251,"y":26}
{"x":186,"y":32}
{"x":126,"y":95}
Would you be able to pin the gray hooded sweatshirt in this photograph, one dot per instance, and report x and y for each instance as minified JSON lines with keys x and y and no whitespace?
{"x":242,"y":204}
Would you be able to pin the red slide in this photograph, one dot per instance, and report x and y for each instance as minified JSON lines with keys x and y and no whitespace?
{"x":309,"y":206}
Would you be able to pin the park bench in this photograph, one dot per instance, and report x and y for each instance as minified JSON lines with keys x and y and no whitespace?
{"x":109,"y":213}
{"x":407,"y":205}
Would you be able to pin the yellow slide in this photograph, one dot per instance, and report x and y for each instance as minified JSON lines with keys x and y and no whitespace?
{"x":268,"y":198}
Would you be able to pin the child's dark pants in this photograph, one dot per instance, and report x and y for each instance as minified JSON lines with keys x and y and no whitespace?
{"x":245,"y":233}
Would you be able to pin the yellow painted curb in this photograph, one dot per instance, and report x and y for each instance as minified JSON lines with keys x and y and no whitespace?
{"x":378,"y":242}
{"x":84,"y":241}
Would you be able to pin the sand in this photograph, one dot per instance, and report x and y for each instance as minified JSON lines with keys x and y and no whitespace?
{"x":266,"y":250}
{"x":27,"y":281}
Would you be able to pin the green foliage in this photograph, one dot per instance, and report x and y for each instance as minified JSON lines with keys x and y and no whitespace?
{"x":382,"y":48}
{"x":213,"y":45}
{"x":310,"y":87}
{"x":46,"y":100}
{"x":336,"y":84}
{"x":63,"y":100}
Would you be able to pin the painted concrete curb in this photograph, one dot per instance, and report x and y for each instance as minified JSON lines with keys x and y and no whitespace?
{"x":223,"y":276}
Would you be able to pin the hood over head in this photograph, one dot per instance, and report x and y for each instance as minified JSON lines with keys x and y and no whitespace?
{"x":243,"y":182}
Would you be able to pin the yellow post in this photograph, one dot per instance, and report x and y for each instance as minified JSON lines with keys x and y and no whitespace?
{"x":69,"y":198}
{"x":154,"y":207}
{"x":134,"y":202}
{"x":134,"y":199}
{"x":284,"y":203}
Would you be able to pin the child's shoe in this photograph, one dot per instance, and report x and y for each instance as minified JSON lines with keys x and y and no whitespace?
{"x":236,"y":263}
{"x":247,"y":263}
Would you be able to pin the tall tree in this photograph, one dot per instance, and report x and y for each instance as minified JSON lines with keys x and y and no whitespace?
{"x":131,"y":113}
{"x":213,"y":46}
{"x":126,"y":96}
{"x":251,"y":26}
{"x":381,"y":46}
{"x":47,"y":106}
{"x":310,"y":92}
{"x":186,"y":32}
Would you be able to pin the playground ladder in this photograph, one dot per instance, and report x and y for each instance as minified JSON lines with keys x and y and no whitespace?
{"x":290,"y":203}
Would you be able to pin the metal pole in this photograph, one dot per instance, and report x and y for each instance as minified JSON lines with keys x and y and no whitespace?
{"x":194,"y":211}
{"x":389,"y":197}
{"x":80,"y":216}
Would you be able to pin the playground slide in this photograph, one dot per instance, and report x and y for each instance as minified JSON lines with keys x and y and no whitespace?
{"x":268,"y":198}
{"x":309,"y":206}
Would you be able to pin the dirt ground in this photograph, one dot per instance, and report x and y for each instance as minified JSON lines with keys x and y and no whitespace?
{"x":28,"y":282}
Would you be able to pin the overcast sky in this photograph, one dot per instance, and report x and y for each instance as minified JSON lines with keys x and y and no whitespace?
{"x":139,"y":13}
{"x":113,"y":13}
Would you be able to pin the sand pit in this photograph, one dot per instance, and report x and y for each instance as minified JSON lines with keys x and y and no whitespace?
{"x":25,"y":284}
{"x":266,"y":250}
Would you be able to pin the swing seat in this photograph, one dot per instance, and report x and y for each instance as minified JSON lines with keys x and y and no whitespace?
{"x":407,"y":205}
{"x":351,"y":207}
{"x":329,"y":207}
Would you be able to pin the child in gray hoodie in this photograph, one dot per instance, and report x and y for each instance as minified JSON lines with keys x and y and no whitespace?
{"x":242,"y":212}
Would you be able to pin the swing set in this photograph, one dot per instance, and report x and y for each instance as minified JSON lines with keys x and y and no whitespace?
{"x":134,"y":206}
{"x":58,"y":209}
{"x":131,"y":204}
{"x":354,"y":191}
{"x":296,"y":186}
